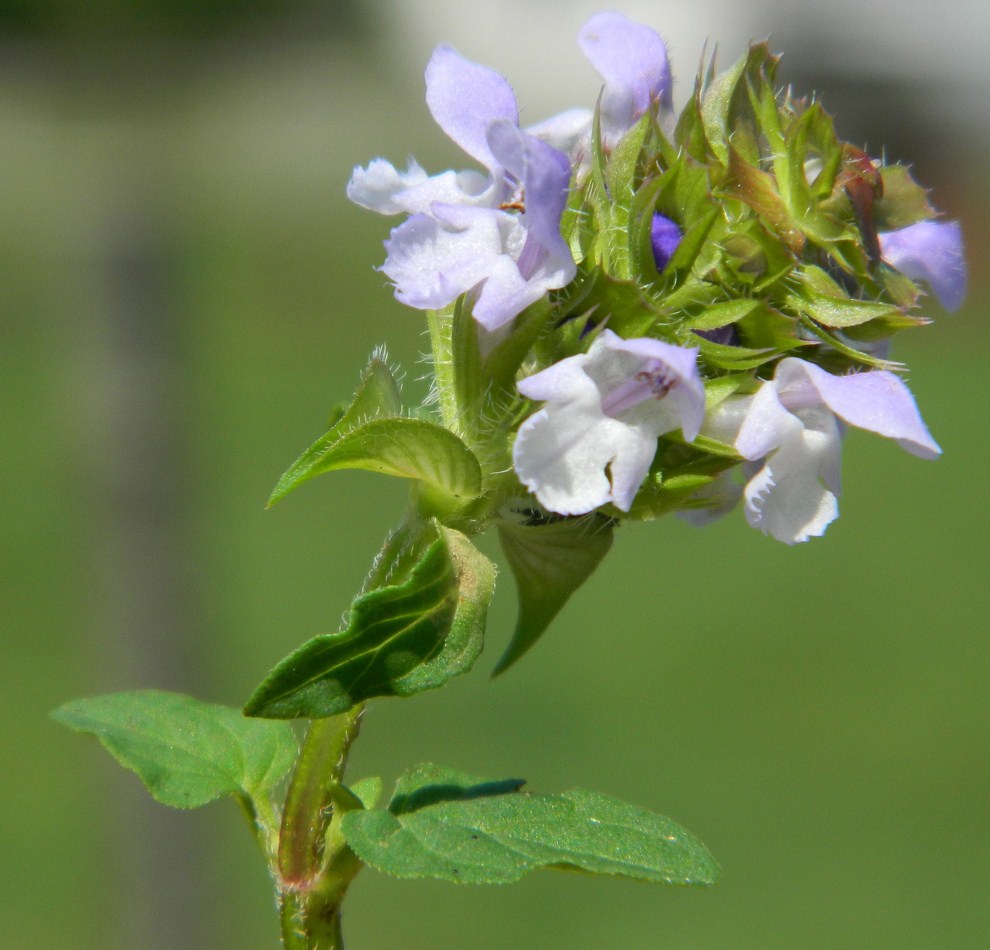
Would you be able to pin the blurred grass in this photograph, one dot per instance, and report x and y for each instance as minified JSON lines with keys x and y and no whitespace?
{"x":817,"y":715}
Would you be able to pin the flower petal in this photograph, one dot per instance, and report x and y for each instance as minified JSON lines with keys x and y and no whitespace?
{"x":506,"y":293}
{"x":563,"y":380}
{"x":382,"y":188}
{"x":562,"y":454}
{"x":876,"y":401}
{"x":789,"y":498}
{"x":766,"y":425}
{"x":545,"y":175}
{"x":431,"y":264}
{"x":682,"y":405}
{"x":632,"y":59}
{"x":376,"y":186}
{"x":665,"y":235}
{"x":594,"y":440}
{"x":465,"y":99}
{"x":931,"y":251}
{"x":567,"y":132}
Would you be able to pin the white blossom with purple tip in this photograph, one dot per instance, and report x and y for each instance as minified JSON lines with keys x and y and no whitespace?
{"x":793,"y":424}
{"x":931,"y":251}
{"x":594,"y":440}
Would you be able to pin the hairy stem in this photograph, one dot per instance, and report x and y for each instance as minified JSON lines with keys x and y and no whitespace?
{"x":312,"y":876}
{"x":309,"y":891}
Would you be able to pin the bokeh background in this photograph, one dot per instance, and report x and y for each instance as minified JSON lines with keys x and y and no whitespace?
{"x":184,"y":292}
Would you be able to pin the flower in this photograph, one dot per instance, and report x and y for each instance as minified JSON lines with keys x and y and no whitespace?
{"x":594,"y":440}
{"x":632,"y":59}
{"x":465,"y":99}
{"x":497,"y":235}
{"x":466,"y":231}
{"x":931,"y":251}
{"x":793,"y":424}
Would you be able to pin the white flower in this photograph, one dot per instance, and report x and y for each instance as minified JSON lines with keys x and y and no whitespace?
{"x":793,"y":424}
{"x":594,"y":440}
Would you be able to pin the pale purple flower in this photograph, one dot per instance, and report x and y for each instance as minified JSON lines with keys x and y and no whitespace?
{"x":462,"y":234}
{"x":594,"y":440}
{"x":931,"y":251}
{"x":512,"y":258}
{"x":793,"y":425}
{"x":464,"y":99}
{"x":632,"y":59}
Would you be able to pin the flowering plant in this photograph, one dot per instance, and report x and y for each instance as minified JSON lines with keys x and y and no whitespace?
{"x":631,"y":312}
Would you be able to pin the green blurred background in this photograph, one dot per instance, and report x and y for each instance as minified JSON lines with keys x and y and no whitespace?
{"x":184,"y":292}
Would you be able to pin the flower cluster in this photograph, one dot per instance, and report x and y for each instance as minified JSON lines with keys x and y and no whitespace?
{"x":697,"y":304}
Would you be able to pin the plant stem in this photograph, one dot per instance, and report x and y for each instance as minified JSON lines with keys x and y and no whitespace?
{"x":302,"y":930}
{"x":312,"y":877}
{"x":309,"y":895}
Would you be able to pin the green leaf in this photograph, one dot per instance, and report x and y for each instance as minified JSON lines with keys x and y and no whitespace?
{"x":456,"y":365}
{"x":849,"y":352}
{"x":367,"y":790}
{"x":733,"y":358}
{"x":454,"y":827}
{"x":726,"y":111}
{"x":641,"y":209}
{"x":658,"y":497}
{"x":185,"y":751}
{"x":759,"y":190}
{"x":823,"y":300}
{"x":903,"y":202}
{"x":620,"y":172}
{"x":690,"y":131}
{"x":721,"y":314}
{"x":400,"y":639}
{"x":377,"y":395}
{"x":619,"y":304}
{"x":501,"y":365}
{"x":407,"y":448}
{"x":475,"y":579}
{"x":685,"y":257}
{"x":549,"y":562}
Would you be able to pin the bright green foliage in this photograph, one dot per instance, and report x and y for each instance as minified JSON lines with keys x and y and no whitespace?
{"x":185,"y":751}
{"x":368,"y":791}
{"x":442,"y":824}
{"x":549,"y":562}
{"x":779,"y":220}
{"x":402,"y":638}
{"x":407,"y":448}
{"x":371,"y":434}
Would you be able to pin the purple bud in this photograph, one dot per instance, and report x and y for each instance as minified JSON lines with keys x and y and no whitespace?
{"x":665,"y":235}
{"x":724,"y":336}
